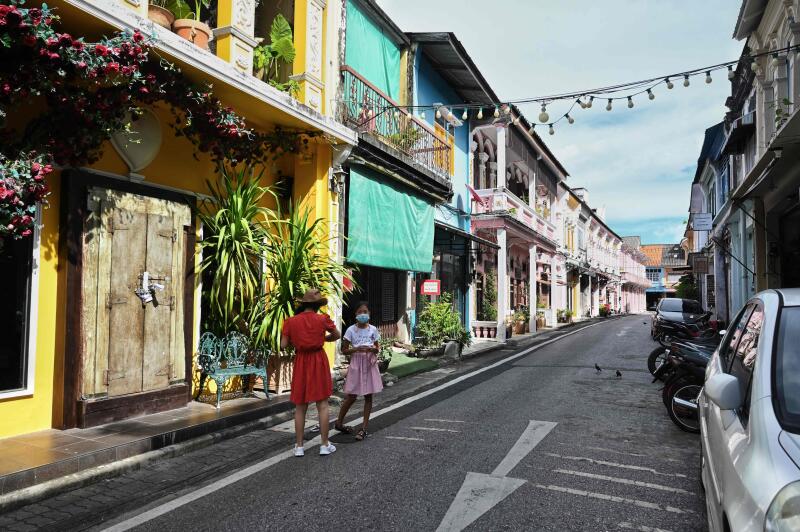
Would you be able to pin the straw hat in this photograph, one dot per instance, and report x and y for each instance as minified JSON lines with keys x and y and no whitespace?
{"x":313,"y":296}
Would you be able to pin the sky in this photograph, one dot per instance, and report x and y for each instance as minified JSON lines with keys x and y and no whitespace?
{"x":638,"y":163}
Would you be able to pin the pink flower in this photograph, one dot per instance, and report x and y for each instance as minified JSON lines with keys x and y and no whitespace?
{"x":101,"y":50}
{"x":27,"y":232}
{"x":29,"y":40}
{"x":112,"y":68}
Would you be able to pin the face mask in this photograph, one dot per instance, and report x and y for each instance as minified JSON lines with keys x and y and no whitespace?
{"x":362,"y":318}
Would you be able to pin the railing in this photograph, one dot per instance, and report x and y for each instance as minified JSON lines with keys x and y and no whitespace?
{"x":368,"y":110}
{"x":501,"y":201}
{"x":632,"y":278}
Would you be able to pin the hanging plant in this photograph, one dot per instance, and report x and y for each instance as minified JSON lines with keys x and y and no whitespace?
{"x":22,"y":187}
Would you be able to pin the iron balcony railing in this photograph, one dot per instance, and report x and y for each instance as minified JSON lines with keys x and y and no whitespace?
{"x":366,"y":109}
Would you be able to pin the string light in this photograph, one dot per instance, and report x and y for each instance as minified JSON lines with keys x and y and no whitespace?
{"x":480,"y":113}
{"x":630,"y":102}
{"x":608,"y":107}
{"x":754,"y":66}
{"x":508,"y":109}
{"x":438,"y":113}
{"x":589,"y":103}
{"x":775,"y":60}
{"x":422,"y":114}
{"x":551,"y":130}
{"x":533,"y":126}
{"x":496,"y":112}
{"x":708,"y":76}
{"x":465,"y":114}
{"x":669,"y":84}
{"x":569,"y":118}
{"x":397,"y":114}
{"x":650,"y":94}
{"x":543,"y":116}
{"x":686,"y":80}
{"x":450,"y":116}
{"x":731,"y":73}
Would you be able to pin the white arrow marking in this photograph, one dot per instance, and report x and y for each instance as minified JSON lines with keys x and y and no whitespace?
{"x":480,"y":493}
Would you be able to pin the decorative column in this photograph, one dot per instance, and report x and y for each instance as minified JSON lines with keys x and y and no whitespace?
{"x":234,"y":34}
{"x":501,"y":156}
{"x":502,"y":284}
{"x":532,"y":191}
{"x":532,"y":286}
{"x":309,"y":24}
{"x":483,"y":158}
{"x":555,"y":297}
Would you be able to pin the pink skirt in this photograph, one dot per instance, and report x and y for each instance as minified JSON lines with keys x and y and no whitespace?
{"x":363,"y":377}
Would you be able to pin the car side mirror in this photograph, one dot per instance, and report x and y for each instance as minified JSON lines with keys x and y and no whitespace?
{"x":723,"y":390}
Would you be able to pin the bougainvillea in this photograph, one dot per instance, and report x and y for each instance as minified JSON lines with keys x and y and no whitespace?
{"x":89,"y":91}
{"x":22,"y":186}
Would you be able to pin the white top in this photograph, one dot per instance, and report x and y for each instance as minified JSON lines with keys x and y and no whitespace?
{"x":359,"y":337}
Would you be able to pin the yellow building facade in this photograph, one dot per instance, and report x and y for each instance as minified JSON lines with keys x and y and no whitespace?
{"x":87,"y":363}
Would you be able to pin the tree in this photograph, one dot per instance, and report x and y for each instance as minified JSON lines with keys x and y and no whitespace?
{"x":687,"y":287}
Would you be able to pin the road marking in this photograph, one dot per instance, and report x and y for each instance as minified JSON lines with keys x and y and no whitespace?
{"x":641,"y":528}
{"x":434,"y":429}
{"x":480,"y":493}
{"x":603,"y":449}
{"x":533,"y":434}
{"x":615,"y":464}
{"x":445,"y":421}
{"x":236,"y":476}
{"x":403,"y":438}
{"x":623,"y":481}
{"x":614,"y":498}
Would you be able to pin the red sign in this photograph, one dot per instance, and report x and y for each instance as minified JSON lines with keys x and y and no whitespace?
{"x":431,"y":287}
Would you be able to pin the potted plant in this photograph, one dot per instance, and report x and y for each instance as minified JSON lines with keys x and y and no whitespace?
{"x":521,"y":318}
{"x":605,"y":310}
{"x":540,"y":319}
{"x":158,"y":11}
{"x":439,"y":323}
{"x":269,"y":57}
{"x":188,"y":23}
{"x":385,"y":353}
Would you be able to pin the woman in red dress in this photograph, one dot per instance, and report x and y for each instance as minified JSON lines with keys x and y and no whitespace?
{"x":307,"y":331}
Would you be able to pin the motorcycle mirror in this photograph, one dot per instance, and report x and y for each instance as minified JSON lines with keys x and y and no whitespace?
{"x":722,"y":332}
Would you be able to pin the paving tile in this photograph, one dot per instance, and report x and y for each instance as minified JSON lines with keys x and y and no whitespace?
{"x":57,"y":469}
{"x":101,"y":457}
{"x":84,"y":447}
{"x":50,"y":439}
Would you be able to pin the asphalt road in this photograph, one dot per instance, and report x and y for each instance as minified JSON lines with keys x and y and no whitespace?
{"x":601,"y":455}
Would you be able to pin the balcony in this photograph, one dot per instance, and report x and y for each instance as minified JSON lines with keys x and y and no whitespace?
{"x":501,"y":202}
{"x":369,"y":111}
{"x":637,"y":280}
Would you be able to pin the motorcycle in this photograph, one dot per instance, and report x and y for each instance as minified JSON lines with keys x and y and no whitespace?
{"x":684,"y":373}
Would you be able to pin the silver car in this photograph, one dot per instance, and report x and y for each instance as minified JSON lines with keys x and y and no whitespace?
{"x":750,"y":418}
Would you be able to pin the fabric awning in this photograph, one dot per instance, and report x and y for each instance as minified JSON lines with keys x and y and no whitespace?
{"x":388,"y":225}
{"x":468,"y":236}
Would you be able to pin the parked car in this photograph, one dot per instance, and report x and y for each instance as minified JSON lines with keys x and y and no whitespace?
{"x":750,"y":418}
{"x":673,"y":309}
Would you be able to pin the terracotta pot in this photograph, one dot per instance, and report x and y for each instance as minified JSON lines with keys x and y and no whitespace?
{"x":191,"y":30}
{"x":161,"y":16}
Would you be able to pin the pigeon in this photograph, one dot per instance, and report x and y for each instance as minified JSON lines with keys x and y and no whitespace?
{"x":619,"y":374}
{"x":598,"y":368}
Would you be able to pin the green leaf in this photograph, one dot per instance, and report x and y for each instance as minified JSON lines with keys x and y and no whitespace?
{"x":180,"y":9}
{"x":284,"y":49}
{"x":280,"y":29}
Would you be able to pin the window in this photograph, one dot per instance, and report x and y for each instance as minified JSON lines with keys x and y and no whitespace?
{"x":712,"y":199}
{"x":15,"y":357}
{"x":581,"y":240}
{"x":733,"y":335}
{"x":653,"y":274}
{"x":787,"y":369}
{"x":744,"y":357}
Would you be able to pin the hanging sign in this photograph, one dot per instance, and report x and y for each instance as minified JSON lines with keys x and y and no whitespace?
{"x":701,"y":221}
{"x":431,"y":287}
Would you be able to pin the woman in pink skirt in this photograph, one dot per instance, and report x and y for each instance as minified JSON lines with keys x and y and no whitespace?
{"x":363,"y":378}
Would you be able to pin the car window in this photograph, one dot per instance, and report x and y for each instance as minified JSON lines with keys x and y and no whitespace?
{"x":787,"y":370}
{"x":732,"y":337}
{"x":670,"y":305}
{"x":744,"y":357}
{"x":691,"y":306}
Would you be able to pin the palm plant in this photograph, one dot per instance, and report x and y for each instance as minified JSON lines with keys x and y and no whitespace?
{"x":235,"y":225}
{"x":297,"y":258}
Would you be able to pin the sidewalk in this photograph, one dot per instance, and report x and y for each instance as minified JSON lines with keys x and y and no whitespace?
{"x":43,"y":464}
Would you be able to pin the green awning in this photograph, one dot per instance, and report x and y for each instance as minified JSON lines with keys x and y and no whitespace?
{"x":371,"y":52}
{"x":388,"y":225}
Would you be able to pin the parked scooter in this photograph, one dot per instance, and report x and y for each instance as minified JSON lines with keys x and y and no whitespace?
{"x":683,"y":372}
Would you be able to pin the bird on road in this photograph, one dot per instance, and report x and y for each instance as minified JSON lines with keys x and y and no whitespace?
{"x":619,"y":374}
{"x":598,"y":368}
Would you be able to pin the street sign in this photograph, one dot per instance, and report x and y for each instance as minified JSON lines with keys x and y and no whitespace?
{"x":701,"y":221}
{"x":431,"y":287}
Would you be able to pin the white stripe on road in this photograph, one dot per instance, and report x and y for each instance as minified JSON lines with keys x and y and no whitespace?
{"x":403,"y":438}
{"x":641,"y":528}
{"x":530,"y":438}
{"x":614,"y":498}
{"x":622,"y":481}
{"x":445,"y":421}
{"x":602,"y":449}
{"x":615,"y":464}
{"x":183,"y":500}
{"x":434,"y":429}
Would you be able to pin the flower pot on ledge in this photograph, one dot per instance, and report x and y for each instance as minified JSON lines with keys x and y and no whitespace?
{"x":192,"y":30}
{"x":161,"y":16}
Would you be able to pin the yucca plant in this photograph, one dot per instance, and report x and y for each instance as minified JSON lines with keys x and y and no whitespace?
{"x":297,"y":258}
{"x":235,"y":234}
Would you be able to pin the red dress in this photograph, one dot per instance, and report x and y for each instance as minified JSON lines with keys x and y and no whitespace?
{"x":311,"y":378}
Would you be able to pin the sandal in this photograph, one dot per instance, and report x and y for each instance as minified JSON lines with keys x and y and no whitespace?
{"x":361,"y":435}
{"x":343,"y":428}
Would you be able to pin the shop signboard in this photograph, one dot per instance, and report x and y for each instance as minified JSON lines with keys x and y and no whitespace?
{"x":431,"y":287}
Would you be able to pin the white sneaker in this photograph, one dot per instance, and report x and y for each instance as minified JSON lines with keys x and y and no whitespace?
{"x":299,"y":451}
{"x":325,"y":450}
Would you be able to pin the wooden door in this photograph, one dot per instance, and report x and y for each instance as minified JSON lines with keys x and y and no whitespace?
{"x":133,"y":346}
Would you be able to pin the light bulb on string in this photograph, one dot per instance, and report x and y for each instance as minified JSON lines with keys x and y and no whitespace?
{"x":589,"y":103}
{"x":397,"y":114}
{"x":650,"y":94}
{"x":464,"y":115}
{"x":708,"y":76}
{"x":450,"y":116}
{"x":731,"y":73}
{"x":508,"y":109}
{"x":775,"y":60}
{"x":543,"y":116}
{"x":669,"y":84}
{"x":608,"y":107}
{"x":630,"y":102}
{"x":530,"y":131}
{"x":754,"y":66}
{"x":422,"y":114}
{"x":551,"y":130}
{"x":438,"y":113}
{"x":581,"y":103}
{"x":686,"y":80}
{"x":569,"y":118}
{"x":496,"y":112}
{"x":480,"y":113}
